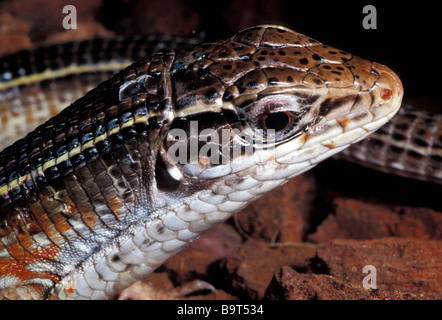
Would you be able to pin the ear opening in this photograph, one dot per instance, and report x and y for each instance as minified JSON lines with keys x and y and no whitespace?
{"x":163,"y":176}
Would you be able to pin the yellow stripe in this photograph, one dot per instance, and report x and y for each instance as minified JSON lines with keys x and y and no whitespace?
{"x":39,"y":171}
{"x":63,"y":72}
{"x":200,"y":108}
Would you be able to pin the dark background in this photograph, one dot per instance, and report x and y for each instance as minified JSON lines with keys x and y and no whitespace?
{"x":406,"y":39}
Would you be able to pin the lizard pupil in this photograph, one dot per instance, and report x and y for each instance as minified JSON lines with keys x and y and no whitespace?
{"x":278,"y":121}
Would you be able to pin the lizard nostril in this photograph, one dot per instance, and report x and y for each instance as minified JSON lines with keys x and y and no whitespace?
{"x":386,"y":94}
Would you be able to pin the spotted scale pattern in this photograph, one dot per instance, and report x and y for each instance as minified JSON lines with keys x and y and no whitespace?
{"x":91,"y":201}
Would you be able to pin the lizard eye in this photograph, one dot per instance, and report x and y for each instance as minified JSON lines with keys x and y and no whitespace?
{"x":279,"y":121}
{"x":277,"y":117}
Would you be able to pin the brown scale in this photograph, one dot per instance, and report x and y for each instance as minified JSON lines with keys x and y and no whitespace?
{"x":229,"y":51}
{"x":420,"y":142}
{"x":329,"y":54}
{"x":284,"y":57}
{"x":364,"y":75}
{"x":229,"y":71}
{"x":252,"y":82}
{"x":278,"y":37}
{"x":335,"y":75}
{"x":251,"y":36}
{"x":191,"y":90}
{"x":435,"y":160}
